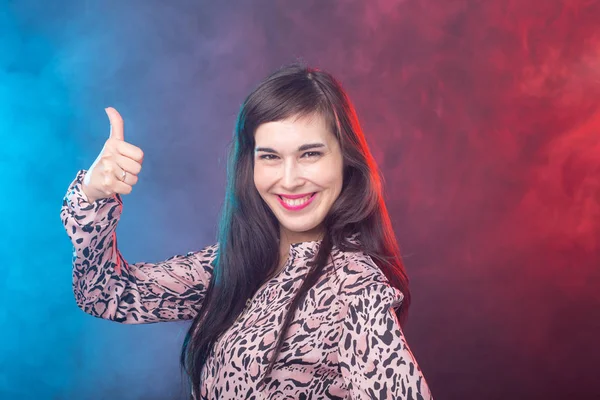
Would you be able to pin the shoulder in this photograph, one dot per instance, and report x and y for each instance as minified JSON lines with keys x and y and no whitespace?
{"x":361,"y":279}
{"x":358,"y":271}
{"x":209,"y":251}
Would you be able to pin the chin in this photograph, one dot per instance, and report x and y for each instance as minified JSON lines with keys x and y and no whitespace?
{"x":298,"y":223}
{"x":299,"y":228}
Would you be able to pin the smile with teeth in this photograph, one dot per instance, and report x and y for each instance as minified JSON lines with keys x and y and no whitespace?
{"x":295,"y":202}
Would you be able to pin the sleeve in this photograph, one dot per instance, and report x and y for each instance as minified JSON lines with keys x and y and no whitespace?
{"x":106,"y":286}
{"x":374,"y":357}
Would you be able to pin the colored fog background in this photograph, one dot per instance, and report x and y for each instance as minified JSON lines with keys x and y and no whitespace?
{"x":484,"y":117}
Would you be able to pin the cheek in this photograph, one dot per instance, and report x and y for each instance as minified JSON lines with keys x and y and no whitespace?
{"x":329,"y":176}
{"x":262,"y":179}
{"x":336,"y":183}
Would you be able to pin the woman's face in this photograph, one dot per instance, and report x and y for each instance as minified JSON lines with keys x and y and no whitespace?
{"x":300,"y":159}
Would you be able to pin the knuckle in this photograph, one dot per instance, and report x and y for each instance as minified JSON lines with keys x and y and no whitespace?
{"x":106,"y":163}
{"x":107,"y":183}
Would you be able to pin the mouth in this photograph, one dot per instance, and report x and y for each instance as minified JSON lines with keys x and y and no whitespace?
{"x":296,"y":204}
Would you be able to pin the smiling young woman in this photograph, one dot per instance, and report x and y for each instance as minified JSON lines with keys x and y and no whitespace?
{"x":298,"y":172}
{"x":304,"y":294}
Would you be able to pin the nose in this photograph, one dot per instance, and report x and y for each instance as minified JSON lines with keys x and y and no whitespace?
{"x":292,"y":176}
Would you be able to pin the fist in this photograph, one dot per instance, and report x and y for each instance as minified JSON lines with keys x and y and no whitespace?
{"x":116,"y":168}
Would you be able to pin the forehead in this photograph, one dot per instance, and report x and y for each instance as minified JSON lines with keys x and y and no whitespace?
{"x":292,"y":132}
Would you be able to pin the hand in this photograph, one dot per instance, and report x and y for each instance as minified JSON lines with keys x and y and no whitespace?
{"x":117,"y":167}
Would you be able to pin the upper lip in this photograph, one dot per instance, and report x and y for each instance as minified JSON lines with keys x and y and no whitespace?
{"x":294,"y":196}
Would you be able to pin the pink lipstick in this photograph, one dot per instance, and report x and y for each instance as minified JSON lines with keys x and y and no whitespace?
{"x":299,"y":206}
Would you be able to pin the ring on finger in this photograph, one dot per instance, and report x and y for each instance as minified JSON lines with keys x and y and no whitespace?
{"x":123,"y":175}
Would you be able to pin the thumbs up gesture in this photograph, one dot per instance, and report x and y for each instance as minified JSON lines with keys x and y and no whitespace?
{"x":117,"y":167}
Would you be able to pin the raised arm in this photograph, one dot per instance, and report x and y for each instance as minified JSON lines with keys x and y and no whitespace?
{"x":374,"y":357}
{"x":107,"y":286}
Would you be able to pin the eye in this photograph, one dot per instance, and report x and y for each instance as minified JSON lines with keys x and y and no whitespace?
{"x":268,"y":157}
{"x":312,"y":153}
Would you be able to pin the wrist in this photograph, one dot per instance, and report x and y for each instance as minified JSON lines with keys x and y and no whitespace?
{"x":86,"y":196}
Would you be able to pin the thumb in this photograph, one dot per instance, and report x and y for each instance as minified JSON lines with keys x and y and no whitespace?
{"x":116,"y":123}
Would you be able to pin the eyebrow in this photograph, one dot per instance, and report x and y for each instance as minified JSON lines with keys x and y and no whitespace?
{"x":301,"y":148}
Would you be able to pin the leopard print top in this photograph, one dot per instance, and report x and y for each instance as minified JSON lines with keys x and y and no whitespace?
{"x":344,"y":341}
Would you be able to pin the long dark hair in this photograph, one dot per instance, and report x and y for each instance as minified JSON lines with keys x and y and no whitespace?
{"x":248,"y":249}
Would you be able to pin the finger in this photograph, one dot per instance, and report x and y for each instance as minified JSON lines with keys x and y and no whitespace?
{"x":121,"y":175}
{"x":116,"y":123}
{"x":130,"y":151}
{"x":131,"y":166}
{"x":122,"y":187}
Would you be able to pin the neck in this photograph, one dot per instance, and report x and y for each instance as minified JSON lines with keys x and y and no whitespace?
{"x":286,"y":238}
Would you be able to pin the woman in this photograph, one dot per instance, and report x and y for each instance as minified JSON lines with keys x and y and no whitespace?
{"x":302,"y":295}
